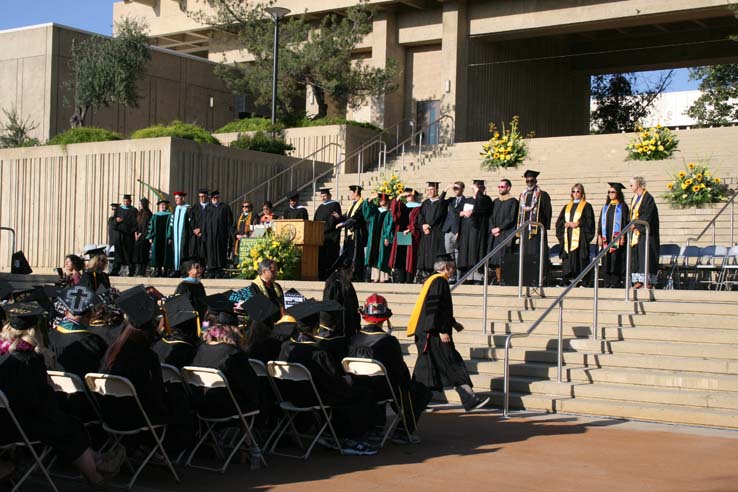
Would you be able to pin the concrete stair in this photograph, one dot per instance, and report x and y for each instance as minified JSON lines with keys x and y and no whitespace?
{"x":673,"y":359}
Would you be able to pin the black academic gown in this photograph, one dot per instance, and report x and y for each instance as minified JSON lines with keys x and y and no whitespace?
{"x":573,"y":262}
{"x":198,"y":219}
{"x":93,"y":280}
{"x":353,"y":405}
{"x":533,"y":240}
{"x":25,"y":383}
{"x":125,"y":239}
{"x":218,"y":234}
{"x":196,"y":293}
{"x":348,"y":321}
{"x":141,"y":247}
{"x":474,"y":232}
{"x":649,"y":213}
{"x":613,"y":263}
{"x":243,"y":381}
{"x":431,"y":245}
{"x":331,"y":237}
{"x":76,"y":348}
{"x":112,"y":231}
{"x":176,"y":350}
{"x":354,"y":242}
{"x":439,"y":365}
{"x":504,"y":215}
{"x":299,"y":213}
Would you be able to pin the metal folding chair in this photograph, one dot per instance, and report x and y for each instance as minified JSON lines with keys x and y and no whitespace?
{"x":709,"y":264}
{"x":209,"y":378}
{"x":38,"y":460}
{"x":729,"y":270}
{"x":120,"y":387}
{"x":687,"y":262}
{"x":261,"y":371}
{"x":374,"y":368}
{"x":286,"y":371}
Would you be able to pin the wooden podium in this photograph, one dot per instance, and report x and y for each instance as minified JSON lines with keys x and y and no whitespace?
{"x":308,"y":237}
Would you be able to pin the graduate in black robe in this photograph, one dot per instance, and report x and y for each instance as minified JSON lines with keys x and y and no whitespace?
{"x":643,"y":207}
{"x":112,"y":230}
{"x":430,"y":221}
{"x":327,"y":212}
{"x":535,"y":204}
{"x":178,"y":345}
{"x":160,"y":238}
{"x":372,"y":342}
{"x":439,"y":365}
{"x":198,"y":219}
{"x":501,"y":225}
{"x":125,"y":226}
{"x":192,"y":287}
{"x":613,"y":219}
{"x":354,"y":241}
{"x":218,"y":235}
{"x":142,"y":246}
{"x":575,"y":229}
{"x":295,"y":211}
{"x":338,"y":287}
{"x":474,"y":231}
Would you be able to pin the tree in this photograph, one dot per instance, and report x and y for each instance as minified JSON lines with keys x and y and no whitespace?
{"x":106,"y":70}
{"x":318,"y":56}
{"x":15,"y":131}
{"x":620,"y":106}
{"x":718,"y":104}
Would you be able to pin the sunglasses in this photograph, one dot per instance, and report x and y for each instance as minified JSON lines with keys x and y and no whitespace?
{"x":456,"y":188}
{"x":576,"y":191}
{"x":501,"y":187}
{"x":611,"y":192}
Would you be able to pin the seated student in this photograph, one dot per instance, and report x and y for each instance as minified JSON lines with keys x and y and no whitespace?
{"x":23,"y":379}
{"x":77,"y":349}
{"x":372,"y":342}
{"x":192,"y":286}
{"x":354,"y":408}
{"x":179,"y":346}
{"x":73,"y":266}
{"x":106,"y":320}
{"x":95,"y":275}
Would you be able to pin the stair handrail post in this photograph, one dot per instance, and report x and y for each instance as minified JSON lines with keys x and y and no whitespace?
{"x":314,"y":186}
{"x":540,"y":263}
{"x":420,"y":144}
{"x":485,"y":297}
{"x":506,"y":379}
{"x":628,"y":240}
{"x":521,"y":251}
{"x":713,"y":221}
{"x":732,"y":221}
{"x":560,"y":344}
{"x":595,"y":310}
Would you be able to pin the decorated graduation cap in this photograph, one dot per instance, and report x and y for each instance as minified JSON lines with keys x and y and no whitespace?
{"x":617,"y":186}
{"x":78,"y":299}
{"x":284,"y":328}
{"x":140,"y":309}
{"x":355,"y":188}
{"x":479,"y":182}
{"x":37,"y":294}
{"x":23,"y":315}
{"x":325,"y":190}
{"x":529,"y":173}
{"x":241,"y":295}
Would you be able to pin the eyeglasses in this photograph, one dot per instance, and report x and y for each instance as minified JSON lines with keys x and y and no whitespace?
{"x":612,"y":192}
{"x":501,"y":187}
{"x":577,"y":191}
{"x":456,"y":188}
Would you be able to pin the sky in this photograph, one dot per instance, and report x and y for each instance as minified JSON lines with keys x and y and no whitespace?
{"x":97,"y":16}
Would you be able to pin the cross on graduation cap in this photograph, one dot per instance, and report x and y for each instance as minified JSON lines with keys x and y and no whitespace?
{"x":79,"y":295}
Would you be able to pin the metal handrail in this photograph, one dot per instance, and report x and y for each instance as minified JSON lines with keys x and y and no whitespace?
{"x":294,"y":165}
{"x":594,"y":264}
{"x":12,"y":244}
{"x":485,"y":262}
{"x":712,"y":223}
{"x":419,"y":131}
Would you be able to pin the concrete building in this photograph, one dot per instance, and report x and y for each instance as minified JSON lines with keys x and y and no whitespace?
{"x":482,"y":60}
{"x":34,"y":66}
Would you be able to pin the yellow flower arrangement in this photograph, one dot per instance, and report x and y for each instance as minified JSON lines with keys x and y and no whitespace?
{"x":652,"y":144}
{"x":506,"y":149}
{"x":695,"y":186}
{"x":392,"y":186}
{"x":281,"y":249}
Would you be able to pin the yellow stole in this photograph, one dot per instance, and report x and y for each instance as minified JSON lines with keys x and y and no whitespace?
{"x":575,"y":232}
{"x":635,"y":209}
{"x":415,"y":316}
{"x":355,"y":208}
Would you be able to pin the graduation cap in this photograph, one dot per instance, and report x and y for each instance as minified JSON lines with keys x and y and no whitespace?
{"x":179,"y":310}
{"x":189,"y":262}
{"x":5,"y":289}
{"x":220,"y":306}
{"x":140,"y":310}
{"x":19,"y":295}
{"x":311,"y":307}
{"x":445,"y":257}
{"x":530,"y":174}
{"x":154,"y":293}
{"x":144,"y":200}
{"x":410,"y":190}
{"x":241,"y":295}
{"x":51,"y":291}
{"x":355,"y":188}
{"x":78,"y":299}
{"x":23,"y":315}
{"x":126,"y":197}
{"x":93,"y":250}
{"x":293,"y":195}
{"x":260,"y":308}
{"x":214,"y":193}
{"x":325,"y":190}
{"x":202,"y":191}
{"x":116,"y":205}
{"x":617,"y":186}
{"x":284,"y":328}
{"x":35,"y":293}
{"x":433,"y":184}
{"x":162,"y":201}
{"x":104,"y":293}
{"x":179,"y":193}
{"x":479,"y":182}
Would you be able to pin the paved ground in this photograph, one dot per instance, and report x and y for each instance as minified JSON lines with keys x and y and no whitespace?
{"x":481,"y":451}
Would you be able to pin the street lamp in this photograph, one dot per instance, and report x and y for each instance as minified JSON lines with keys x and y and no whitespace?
{"x":276,"y":14}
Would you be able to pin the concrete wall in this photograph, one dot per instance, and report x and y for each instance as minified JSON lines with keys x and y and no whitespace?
{"x":57,"y":199}
{"x":34,"y":66}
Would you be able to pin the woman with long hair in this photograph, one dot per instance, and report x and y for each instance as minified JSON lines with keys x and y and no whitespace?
{"x":95,"y":274}
{"x":575,"y":229}
{"x":613,"y":218}
{"x":73,"y":267}
{"x":142,"y":246}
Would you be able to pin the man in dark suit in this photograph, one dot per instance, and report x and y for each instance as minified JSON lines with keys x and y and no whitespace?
{"x":451,"y":227}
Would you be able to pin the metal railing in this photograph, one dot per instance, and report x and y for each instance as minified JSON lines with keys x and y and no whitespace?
{"x":559,"y":301}
{"x":484,"y":262}
{"x":12,"y":244}
{"x":713,"y":222}
{"x":417,"y":133}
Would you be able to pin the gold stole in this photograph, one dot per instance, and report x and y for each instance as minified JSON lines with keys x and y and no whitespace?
{"x":635,"y":209}
{"x":355,"y":207}
{"x":415,"y":316}
{"x":241,"y":219}
{"x":575,"y":232}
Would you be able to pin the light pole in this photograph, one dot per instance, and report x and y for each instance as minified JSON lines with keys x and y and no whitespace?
{"x":276,"y":14}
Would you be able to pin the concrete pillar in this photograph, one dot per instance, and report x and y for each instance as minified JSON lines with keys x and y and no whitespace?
{"x":454,"y":47}
{"x":387,"y":110}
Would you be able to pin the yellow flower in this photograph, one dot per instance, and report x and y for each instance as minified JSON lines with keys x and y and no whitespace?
{"x":696,"y":188}
{"x":508,"y":157}
{"x":717,"y":180}
{"x":497,"y":135}
{"x":256,"y":265}
{"x":658,"y":126}
{"x":670,"y":186}
{"x":691,"y":165}
{"x":702,"y":186}
{"x":254,"y":253}
{"x":661,"y":148}
{"x":688,"y":181}
{"x":698,"y":177}
{"x":684,"y":186}
{"x":275,"y":244}
{"x":682,"y":174}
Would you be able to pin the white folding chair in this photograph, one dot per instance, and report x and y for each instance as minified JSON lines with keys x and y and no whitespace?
{"x":120,"y":387}
{"x":729,"y":269}
{"x":709,"y":264}
{"x":374,"y":368}
{"x":25,"y":442}
{"x":260,"y":369}
{"x":297,"y":373}
{"x":209,"y":378}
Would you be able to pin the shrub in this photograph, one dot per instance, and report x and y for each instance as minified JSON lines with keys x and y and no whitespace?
{"x":15,"y":131}
{"x":179,"y":130}
{"x":84,"y":134}
{"x":695,"y":186}
{"x":306,"y":122}
{"x":261,"y":142}
{"x":250,"y":125}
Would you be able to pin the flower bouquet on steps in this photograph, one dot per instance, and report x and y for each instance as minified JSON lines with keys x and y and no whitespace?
{"x":391,"y":185}
{"x":280,"y":248}
{"x":695,"y":186}
{"x":652,"y":144}
{"x":505,"y":149}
